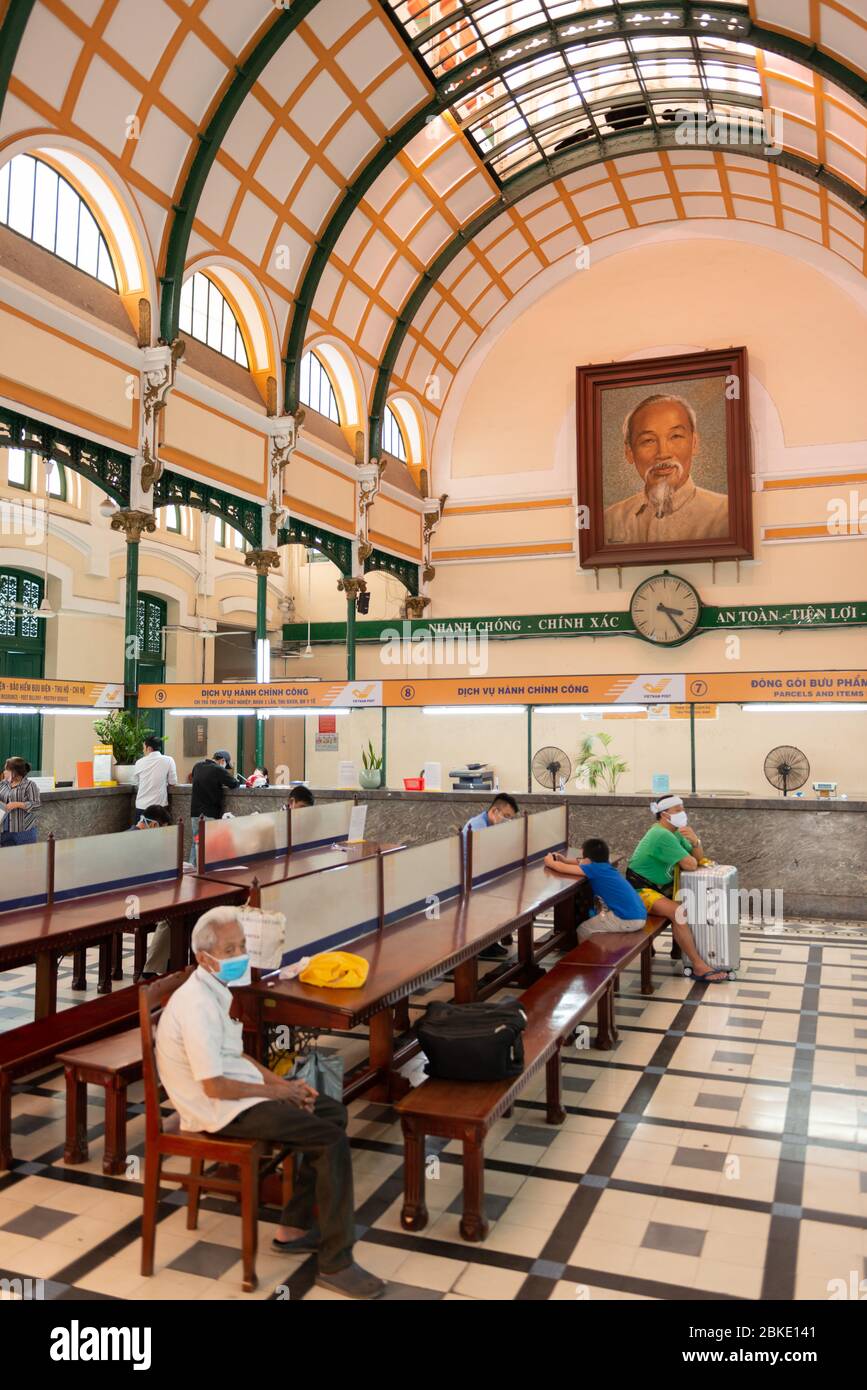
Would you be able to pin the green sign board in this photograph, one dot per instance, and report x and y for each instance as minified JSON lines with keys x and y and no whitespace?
{"x":602,"y":624}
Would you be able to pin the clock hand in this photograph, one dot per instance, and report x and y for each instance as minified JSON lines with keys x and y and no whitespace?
{"x":661,"y":608}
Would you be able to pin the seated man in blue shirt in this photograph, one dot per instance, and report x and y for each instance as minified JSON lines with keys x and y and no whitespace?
{"x":503,"y":807}
{"x":618,"y":907}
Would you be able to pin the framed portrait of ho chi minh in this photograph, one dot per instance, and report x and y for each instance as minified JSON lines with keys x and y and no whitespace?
{"x":664,"y":464}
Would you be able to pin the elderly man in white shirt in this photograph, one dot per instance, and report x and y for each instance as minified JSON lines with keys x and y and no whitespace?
{"x":215,"y":1087}
{"x":154,"y":773}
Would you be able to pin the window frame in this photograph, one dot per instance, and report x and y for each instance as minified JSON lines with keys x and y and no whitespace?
{"x":189,"y":310}
{"x":310,"y":359}
{"x":402,"y":455}
{"x":63,"y":192}
{"x":27,"y":485}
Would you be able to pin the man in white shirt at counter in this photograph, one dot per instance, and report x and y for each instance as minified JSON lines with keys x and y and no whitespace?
{"x":216,"y":1087}
{"x":154,"y":773}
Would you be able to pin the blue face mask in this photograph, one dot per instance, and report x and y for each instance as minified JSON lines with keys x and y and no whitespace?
{"x":232,"y":969}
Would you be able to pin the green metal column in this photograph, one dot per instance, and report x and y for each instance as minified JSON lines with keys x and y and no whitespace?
{"x":131,"y":643}
{"x":350,"y":635}
{"x":241,"y":756}
{"x":261,"y":636}
{"x":692,"y":746}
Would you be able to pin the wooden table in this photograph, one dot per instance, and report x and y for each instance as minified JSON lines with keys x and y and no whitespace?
{"x":409,"y":954}
{"x":45,"y":933}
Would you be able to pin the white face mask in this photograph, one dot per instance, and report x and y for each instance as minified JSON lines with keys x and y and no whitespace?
{"x":679,"y":819}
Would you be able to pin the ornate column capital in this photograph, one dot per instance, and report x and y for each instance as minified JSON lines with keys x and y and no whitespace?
{"x":133,"y":524}
{"x":158,"y":377}
{"x":352,"y":588}
{"x":283,"y":440}
{"x":262,"y":561}
{"x":413,"y":608}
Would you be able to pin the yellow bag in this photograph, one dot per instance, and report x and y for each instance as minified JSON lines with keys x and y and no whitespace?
{"x":336,"y":970}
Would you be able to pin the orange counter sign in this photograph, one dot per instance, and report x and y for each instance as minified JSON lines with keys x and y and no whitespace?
{"x":47,"y":694}
{"x":674,"y":690}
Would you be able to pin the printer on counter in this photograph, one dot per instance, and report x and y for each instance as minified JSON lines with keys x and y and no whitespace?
{"x":474,"y":777}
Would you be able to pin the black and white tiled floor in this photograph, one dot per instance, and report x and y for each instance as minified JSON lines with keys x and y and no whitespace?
{"x":720,"y":1152}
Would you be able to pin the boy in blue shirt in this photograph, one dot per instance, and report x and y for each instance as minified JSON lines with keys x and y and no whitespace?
{"x":618,"y":906}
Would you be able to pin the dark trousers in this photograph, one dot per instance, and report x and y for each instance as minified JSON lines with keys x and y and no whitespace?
{"x":324,"y":1173}
{"x":18,"y":837}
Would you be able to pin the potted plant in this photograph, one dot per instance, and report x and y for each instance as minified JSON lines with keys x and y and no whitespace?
{"x":126,"y":733}
{"x":370,"y":776}
{"x":599,"y":768}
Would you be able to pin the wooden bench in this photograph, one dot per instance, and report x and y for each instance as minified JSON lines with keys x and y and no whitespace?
{"x":614,"y":951}
{"x":111,"y":1063}
{"x":24,"y":1050}
{"x":465,"y":1110}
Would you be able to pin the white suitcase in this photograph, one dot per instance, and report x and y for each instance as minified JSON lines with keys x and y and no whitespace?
{"x":710,"y":896}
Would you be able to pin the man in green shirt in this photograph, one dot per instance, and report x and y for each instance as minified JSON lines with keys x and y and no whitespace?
{"x":668,"y":845}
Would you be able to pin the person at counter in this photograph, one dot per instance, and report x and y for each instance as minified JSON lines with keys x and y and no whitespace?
{"x":211,"y":779}
{"x":153,"y":774}
{"x":670,"y":844}
{"x":503,"y":807}
{"x":299,"y":797}
{"x":19,"y":797}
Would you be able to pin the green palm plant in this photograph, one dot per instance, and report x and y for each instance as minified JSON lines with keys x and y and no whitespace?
{"x":605,"y":768}
{"x":369,"y":760}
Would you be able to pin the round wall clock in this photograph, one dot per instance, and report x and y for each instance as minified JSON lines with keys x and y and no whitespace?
{"x":665,"y":609}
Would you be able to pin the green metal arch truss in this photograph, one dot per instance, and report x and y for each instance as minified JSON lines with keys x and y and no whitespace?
{"x":406,"y":571}
{"x":521,"y":187}
{"x":11,"y":34}
{"x":210,"y":139}
{"x":106,"y":468}
{"x":176,"y":489}
{"x":337,"y":549}
{"x":475,"y":73}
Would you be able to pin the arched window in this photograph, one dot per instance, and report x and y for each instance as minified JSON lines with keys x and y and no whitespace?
{"x":19,"y":468}
{"x":38,"y":203}
{"x":207,"y":315}
{"x":316,"y":389}
{"x":392,"y":436}
{"x":227,"y":537}
{"x":169,"y":518}
{"x":56,"y":480}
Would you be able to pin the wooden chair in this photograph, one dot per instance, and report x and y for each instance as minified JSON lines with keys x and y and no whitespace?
{"x":245,"y":1155}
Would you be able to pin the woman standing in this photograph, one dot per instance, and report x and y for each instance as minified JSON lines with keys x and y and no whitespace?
{"x":19,"y":797}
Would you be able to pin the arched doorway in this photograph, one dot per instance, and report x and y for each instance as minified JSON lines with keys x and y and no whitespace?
{"x":22,"y":655}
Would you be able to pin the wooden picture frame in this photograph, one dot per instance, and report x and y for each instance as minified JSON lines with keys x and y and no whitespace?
{"x":624,"y":528}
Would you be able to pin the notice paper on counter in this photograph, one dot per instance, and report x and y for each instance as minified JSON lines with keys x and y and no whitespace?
{"x":347,"y":774}
{"x":357,"y":822}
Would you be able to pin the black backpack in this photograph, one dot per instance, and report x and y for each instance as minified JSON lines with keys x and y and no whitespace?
{"x":473,"y":1042}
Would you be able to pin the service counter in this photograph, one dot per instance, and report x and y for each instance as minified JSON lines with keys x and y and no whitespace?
{"x":812,"y":852}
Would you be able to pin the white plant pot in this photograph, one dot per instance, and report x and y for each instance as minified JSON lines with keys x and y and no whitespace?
{"x":124,"y":774}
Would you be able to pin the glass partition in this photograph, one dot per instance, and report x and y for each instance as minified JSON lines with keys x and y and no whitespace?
{"x":325,"y":911}
{"x":498,"y":848}
{"x":454,"y":739}
{"x":100,"y":863}
{"x":24,"y":881}
{"x":413,"y":877}
{"x":733,"y":748}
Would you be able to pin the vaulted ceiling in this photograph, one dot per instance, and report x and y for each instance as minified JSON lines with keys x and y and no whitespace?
{"x":392,"y":172}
